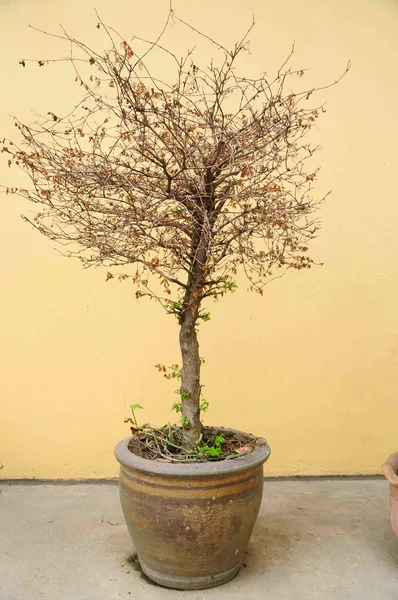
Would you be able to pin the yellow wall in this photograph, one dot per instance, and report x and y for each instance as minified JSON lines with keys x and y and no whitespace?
{"x":312,"y":365}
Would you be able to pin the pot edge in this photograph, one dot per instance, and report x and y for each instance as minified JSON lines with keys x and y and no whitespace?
{"x":390,"y":469}
{"x":242,"y":463}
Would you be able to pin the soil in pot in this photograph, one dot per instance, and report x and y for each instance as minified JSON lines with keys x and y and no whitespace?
{"x":216,"y":444}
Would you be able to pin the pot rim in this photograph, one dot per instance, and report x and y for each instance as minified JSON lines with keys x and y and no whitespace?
{"x":256,"y":458}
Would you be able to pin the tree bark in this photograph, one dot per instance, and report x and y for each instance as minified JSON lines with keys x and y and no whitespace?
{"x":190,"y":372}
{"x":190,"y":376}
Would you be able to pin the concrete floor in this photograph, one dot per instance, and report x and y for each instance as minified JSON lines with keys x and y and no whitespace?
{"x":326,"y":539}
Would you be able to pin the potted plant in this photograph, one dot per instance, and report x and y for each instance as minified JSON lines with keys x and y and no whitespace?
{"x":390,"y":470}
{"x":184,"y":184}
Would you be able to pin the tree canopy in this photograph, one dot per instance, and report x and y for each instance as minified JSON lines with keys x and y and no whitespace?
{"x":209,"y":168}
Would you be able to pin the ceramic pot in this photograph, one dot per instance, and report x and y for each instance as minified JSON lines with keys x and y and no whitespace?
{"x":191,"y":523}
{"x":390,"y":470}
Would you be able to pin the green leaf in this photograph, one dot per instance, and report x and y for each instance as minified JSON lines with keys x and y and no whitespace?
{"x":204,"y":448}
{"x":214,"y":451}
{"x":184,"y":421}
{"x":134,"y":406}
{"x":204,"y":405}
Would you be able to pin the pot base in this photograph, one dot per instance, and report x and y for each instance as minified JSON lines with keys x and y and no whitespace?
{"x":181,"y":582}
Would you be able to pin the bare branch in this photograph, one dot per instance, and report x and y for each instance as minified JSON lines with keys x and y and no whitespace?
{"x":194,"y":179}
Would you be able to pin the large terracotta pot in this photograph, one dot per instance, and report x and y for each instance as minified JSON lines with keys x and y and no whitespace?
{"x":390,"y":470}
{"x":191,"y":523}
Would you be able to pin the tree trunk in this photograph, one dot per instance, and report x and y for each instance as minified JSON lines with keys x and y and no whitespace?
{"x":190,"y":373}
{"x":190,"y":376}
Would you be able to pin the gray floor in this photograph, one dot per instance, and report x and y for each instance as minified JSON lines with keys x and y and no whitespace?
{"x":327,"y":539}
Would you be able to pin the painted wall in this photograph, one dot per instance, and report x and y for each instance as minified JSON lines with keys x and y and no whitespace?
{"x":312,"y":365}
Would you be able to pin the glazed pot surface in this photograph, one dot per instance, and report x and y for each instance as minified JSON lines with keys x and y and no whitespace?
{"x":191,"y":523}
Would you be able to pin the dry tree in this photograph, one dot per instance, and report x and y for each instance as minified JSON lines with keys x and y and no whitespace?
{"x":188,"y":182}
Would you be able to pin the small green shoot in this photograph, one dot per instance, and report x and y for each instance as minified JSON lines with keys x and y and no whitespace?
{"x":210,"y":450}
{"x":176,"y":372}
{"x":184,"y":421}
{"x":133,"y":408}
{"x":213,"y":450}
{"x":204,"y":405}
{"x":205,"y":317}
